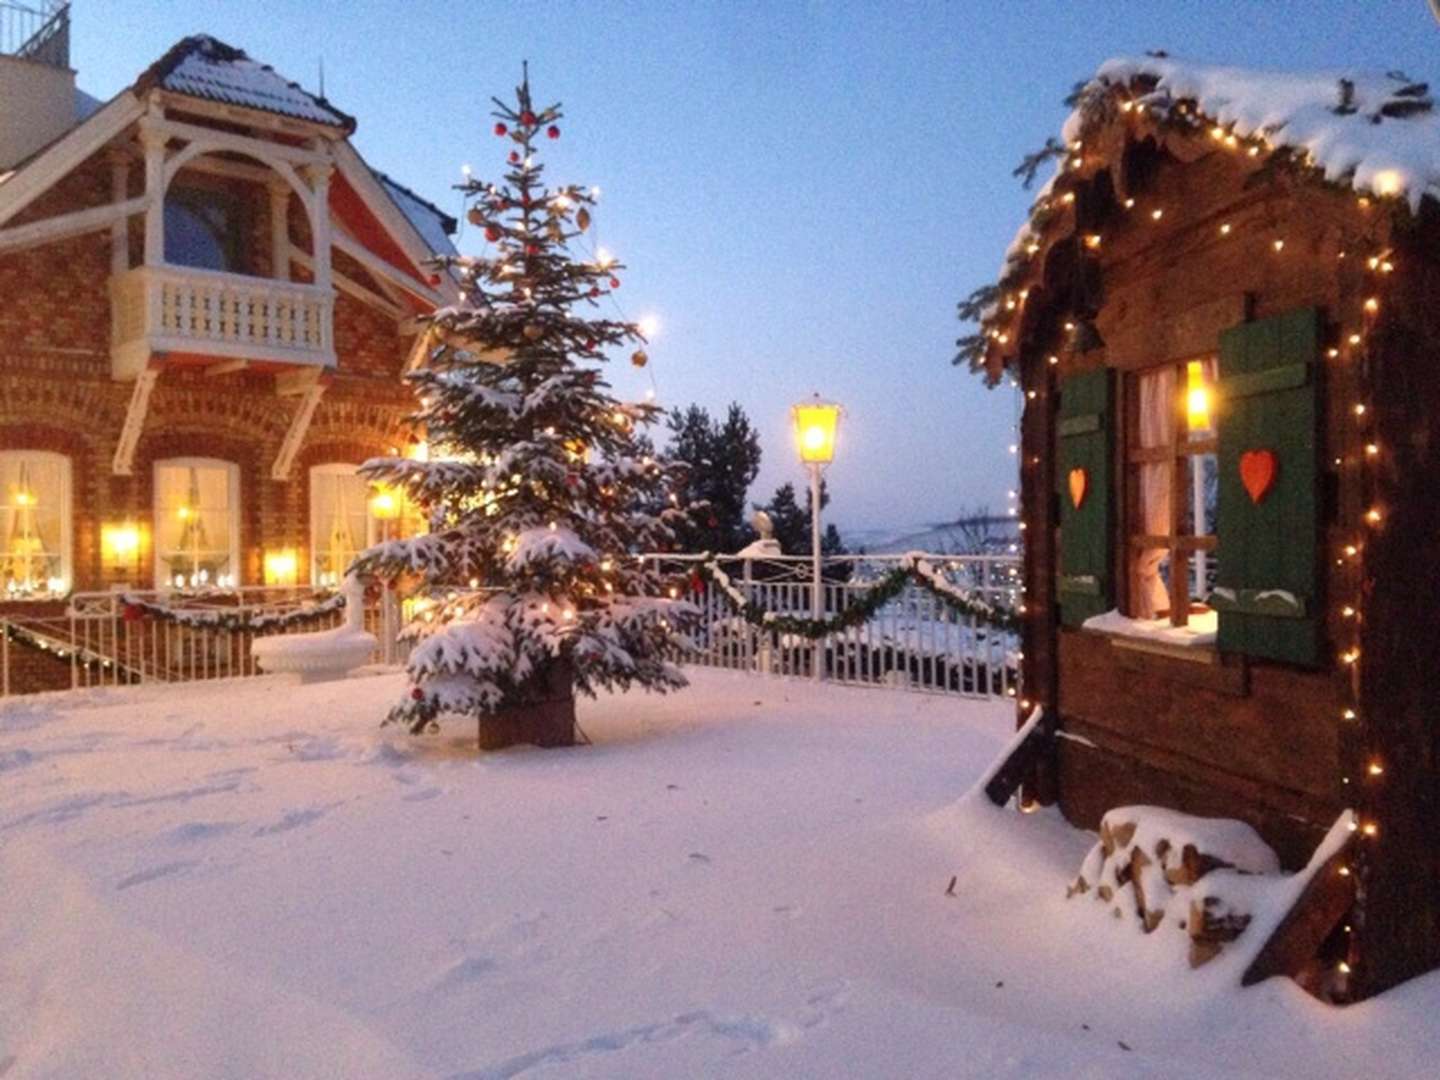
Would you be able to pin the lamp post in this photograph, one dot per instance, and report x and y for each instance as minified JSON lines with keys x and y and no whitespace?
{"x":815,"y":424}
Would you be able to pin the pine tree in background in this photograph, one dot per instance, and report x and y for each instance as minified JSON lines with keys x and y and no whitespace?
{"x":541,"y":489}
{"x":722,"y":461}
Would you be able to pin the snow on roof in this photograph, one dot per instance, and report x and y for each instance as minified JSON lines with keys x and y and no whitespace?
{"x":203,"y":67}
{"x":434,"y":225}
{"x":1375,"y":131}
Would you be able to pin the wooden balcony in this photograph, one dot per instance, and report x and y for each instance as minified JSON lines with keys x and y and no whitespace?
{"x":206,"y":315}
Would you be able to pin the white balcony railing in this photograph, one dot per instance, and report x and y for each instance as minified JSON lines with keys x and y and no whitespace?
{"x":173,"y":309}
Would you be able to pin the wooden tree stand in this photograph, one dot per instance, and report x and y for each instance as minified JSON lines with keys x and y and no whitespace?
{"x":545,"y":717}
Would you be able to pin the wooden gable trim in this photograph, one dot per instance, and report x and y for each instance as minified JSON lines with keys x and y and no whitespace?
{"x":362,"y":181}
{"x":64,"y":226}
{"x":67,"y":154}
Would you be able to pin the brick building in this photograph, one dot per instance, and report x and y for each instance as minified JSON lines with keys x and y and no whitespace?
{"x":208,"y":300}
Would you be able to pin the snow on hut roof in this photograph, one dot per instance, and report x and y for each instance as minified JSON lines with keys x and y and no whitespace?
{"x":204,"y":67}
{"x":434,"y":225}
{"x":1375,"y":131}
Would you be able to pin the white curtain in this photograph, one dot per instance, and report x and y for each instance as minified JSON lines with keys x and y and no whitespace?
{"x":194,"y":522}
{"x":34,"y":506}
{"x":339,"y":520}
{"x":1148,"y":592}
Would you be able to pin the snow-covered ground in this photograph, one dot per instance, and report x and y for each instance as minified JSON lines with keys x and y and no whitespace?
{"x":251,"y":879}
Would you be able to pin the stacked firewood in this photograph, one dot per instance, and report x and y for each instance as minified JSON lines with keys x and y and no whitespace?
{"x":1158,"y":866}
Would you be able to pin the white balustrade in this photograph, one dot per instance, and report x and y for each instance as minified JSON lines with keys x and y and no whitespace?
{"x":171,"y":309}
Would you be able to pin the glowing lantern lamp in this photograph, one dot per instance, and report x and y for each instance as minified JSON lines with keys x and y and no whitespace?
{"x":815,"y":424}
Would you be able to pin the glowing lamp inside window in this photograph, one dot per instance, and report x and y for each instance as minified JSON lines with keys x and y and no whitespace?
{"x":815,"y":424}
{"x":385,"y":504}
{"x":1199,"y":396}
{"x":280,"y":567}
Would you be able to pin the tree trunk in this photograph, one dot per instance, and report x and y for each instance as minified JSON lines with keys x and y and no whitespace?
{"x":544,"y":717}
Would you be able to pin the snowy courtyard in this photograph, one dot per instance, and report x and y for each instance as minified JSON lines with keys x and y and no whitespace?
{"x":251,"y":878}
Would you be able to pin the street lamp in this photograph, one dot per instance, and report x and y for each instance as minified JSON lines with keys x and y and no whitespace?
{"x":815,"y":424}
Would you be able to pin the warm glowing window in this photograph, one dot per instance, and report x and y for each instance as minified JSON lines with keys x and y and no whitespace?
{"x":34,"y":524}
{"x":348,"y":514}
{"x":197,"y":523}
{"x":1173,"y":489}
{"x":340,"y":523}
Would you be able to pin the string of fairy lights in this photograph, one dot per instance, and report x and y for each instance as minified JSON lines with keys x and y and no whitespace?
{"x":1357,"y":462}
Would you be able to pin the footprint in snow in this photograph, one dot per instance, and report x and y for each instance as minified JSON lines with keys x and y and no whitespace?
{"x":696,"y":857}
{"x":471,"y":969}
{"x":294,"y":819}
{"x":155,"y":873}
{"x":423,"y":795}
{"x":193,"y":831}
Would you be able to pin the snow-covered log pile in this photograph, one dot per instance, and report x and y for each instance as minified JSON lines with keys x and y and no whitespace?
{"x":1197,"y":875}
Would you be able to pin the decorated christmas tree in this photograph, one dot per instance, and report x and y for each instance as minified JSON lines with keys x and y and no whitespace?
{"x":541,"y":490}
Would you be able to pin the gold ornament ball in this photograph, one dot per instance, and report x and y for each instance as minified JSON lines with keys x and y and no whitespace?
{"x":476,"y":216}
{"x":640,"y":358}
{"x":533,"y":331}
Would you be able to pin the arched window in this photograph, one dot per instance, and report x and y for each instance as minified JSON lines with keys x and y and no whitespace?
{"x":34,"y":524}
{"x":204,"y":228}
{"x":341,"y":525}
{"x":197,"y":523}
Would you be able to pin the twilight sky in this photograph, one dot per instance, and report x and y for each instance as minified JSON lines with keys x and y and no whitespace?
{"x":801,"y":190}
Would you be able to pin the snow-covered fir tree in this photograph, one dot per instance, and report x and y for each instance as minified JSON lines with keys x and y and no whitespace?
{"x":541,"y":490}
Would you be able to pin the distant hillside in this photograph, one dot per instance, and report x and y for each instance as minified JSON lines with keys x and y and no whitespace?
{"x":990,"y":534}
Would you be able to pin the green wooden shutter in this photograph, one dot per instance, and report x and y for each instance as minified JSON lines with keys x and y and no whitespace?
{"x":1083,"y":583}
{"x":1266,"y":584}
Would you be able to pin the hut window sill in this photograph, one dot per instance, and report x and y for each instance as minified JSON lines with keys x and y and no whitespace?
{"x":1195,"y":641}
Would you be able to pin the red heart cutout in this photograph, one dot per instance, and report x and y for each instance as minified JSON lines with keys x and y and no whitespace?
{"x":1078,"y":484}
{"x":1257,"y":472}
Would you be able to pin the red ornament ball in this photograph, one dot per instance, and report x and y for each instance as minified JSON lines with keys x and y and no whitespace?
{"x":614,"y":282}
{"x":417,"y":694}
{"x":492,"y":233}
{"x":590,"y":345}
{"x":131,"y":613}
{"x":594,"y":290}
{"x":527,"y":118}
{"x":697,"y":583}
{"x":501,"y":129}
{"x":514,"y":157}
{"x":553,"y":131}
{"x":713,"y":522}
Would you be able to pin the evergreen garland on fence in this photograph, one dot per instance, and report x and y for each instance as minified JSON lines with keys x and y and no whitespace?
{"x":910,"y":570}
{"x":233,"y":621}
{"x":53,"y":646}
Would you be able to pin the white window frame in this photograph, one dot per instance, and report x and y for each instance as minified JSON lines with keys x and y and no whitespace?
{"x":162,"y":578}
{"x":333,"y":468}
{"x":67,"y":510}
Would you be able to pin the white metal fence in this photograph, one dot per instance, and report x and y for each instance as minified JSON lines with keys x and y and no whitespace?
{"x":914,"y":642}
{"x":94,"y":643}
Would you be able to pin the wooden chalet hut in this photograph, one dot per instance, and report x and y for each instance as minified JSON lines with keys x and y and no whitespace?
{"x":1224,"y":317}
{"x":208,"y":300}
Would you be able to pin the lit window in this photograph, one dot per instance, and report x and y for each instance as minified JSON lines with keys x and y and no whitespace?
{"x":348,"y":514}
{"x":34,"y":524}
{"x":340,"y":523}
{"x":1174,"y":487}
{"x":204,"y":229}
{"x":197,"y":523}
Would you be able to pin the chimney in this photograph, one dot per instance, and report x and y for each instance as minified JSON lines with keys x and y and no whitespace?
{"x":37,"y":87}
